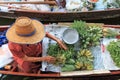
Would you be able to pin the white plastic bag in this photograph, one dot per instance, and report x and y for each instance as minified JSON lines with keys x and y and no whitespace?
{"x":107,"y":59}
{"x":73,"y":4}
{"x":5,"y":55}
{"x":102,"y":58}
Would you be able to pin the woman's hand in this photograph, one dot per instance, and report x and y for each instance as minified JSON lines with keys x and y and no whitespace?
{"x":61,"y":44}
{"x":49,"y":59}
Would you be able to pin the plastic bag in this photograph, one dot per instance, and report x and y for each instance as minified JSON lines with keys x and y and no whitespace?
{"x":5,"y":55}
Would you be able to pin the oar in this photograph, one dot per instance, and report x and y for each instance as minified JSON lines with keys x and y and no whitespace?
{"x":9,"y":6}
{"x":30,"y":2}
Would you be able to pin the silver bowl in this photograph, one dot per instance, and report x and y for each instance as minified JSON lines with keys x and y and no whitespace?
{"x":70,"y":36}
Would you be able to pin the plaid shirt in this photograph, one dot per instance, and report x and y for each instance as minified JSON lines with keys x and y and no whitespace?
{"x":31,"y":50}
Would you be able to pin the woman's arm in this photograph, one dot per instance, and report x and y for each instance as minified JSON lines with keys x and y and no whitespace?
{"x":48,"y":59}
{"x":61,"y":44}
{"x":20,"y":56}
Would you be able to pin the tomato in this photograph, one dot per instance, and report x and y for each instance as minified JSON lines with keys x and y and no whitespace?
{"x":93,"y":1}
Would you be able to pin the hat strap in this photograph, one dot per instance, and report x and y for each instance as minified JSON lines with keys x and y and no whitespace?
{"x":27,"y":35}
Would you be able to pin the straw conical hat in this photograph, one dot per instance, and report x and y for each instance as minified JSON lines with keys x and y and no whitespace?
{"x":26,"y":31}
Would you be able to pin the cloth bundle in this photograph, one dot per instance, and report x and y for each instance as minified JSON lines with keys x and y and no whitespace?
{"x":5,"y":55}
{"x":3,"y":39}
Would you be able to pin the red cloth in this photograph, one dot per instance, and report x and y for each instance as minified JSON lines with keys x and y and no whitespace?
{"x":31,"y":50}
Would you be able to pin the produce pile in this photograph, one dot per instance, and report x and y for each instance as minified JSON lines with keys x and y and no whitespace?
{"x":82,"y":59}
{"x":114,"y":49}
{"x":90,"y":35}
{"x":110,"y":33}
{"x":79,"y":5}
{"x":71,"y":60}
{"x":88,"y":5}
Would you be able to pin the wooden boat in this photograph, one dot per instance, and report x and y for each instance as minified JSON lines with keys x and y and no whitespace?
{"x":96,"y":16}
{"x":102,"y":16}
{"x":109,"y":74}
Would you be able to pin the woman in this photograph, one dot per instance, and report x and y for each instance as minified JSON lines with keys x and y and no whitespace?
{"x":25,"y":37}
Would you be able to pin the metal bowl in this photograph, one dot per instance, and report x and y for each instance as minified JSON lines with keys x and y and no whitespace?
{"x":70,"y":36}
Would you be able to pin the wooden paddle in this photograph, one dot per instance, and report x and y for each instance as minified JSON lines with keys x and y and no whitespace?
{"x":30,"y":2}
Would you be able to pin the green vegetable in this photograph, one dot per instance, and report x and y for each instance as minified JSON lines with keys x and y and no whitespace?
{"x":110,"y":33}
{"x":62,"y":56}
{"x":89,"y":34}
{"x":114,"y":49}
{"x":71,"y":61}
{"x":68,"y":68}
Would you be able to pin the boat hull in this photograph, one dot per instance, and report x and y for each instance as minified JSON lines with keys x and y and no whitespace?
{"x":100,"y":15}
{"x":83,"y":75}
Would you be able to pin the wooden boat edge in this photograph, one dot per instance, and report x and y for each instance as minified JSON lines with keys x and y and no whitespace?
{"x":64,"y":16}
{"x":112,"y":72}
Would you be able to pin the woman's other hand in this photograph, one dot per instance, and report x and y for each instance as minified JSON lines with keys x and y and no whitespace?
{"x":49,"y":59}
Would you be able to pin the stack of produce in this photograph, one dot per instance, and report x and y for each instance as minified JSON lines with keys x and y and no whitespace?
{"x":84,"y":60}
{"x":114,"y":49}
{"x":110,"y":32}
{"x":71,"y":60}
{"x":81,"y":59}
{"x":90,"y":35}
{"x":80,"y":5}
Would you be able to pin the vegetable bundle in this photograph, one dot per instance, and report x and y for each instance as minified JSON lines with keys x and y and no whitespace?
{"x":89,"y":34}
{"x":82,"y":59}
{"x":114,"y":49}
{"x":71,"y":60}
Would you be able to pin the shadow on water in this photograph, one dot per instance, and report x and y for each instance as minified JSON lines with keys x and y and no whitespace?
{"x":112,"y":21}
{"x":6,"y":21}
{"x":12,"y":77}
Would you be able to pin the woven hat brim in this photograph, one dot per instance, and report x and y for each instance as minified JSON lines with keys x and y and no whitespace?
{"x":35,"y":38}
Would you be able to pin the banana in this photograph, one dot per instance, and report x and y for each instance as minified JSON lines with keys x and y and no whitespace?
{"x":78,"y":65}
